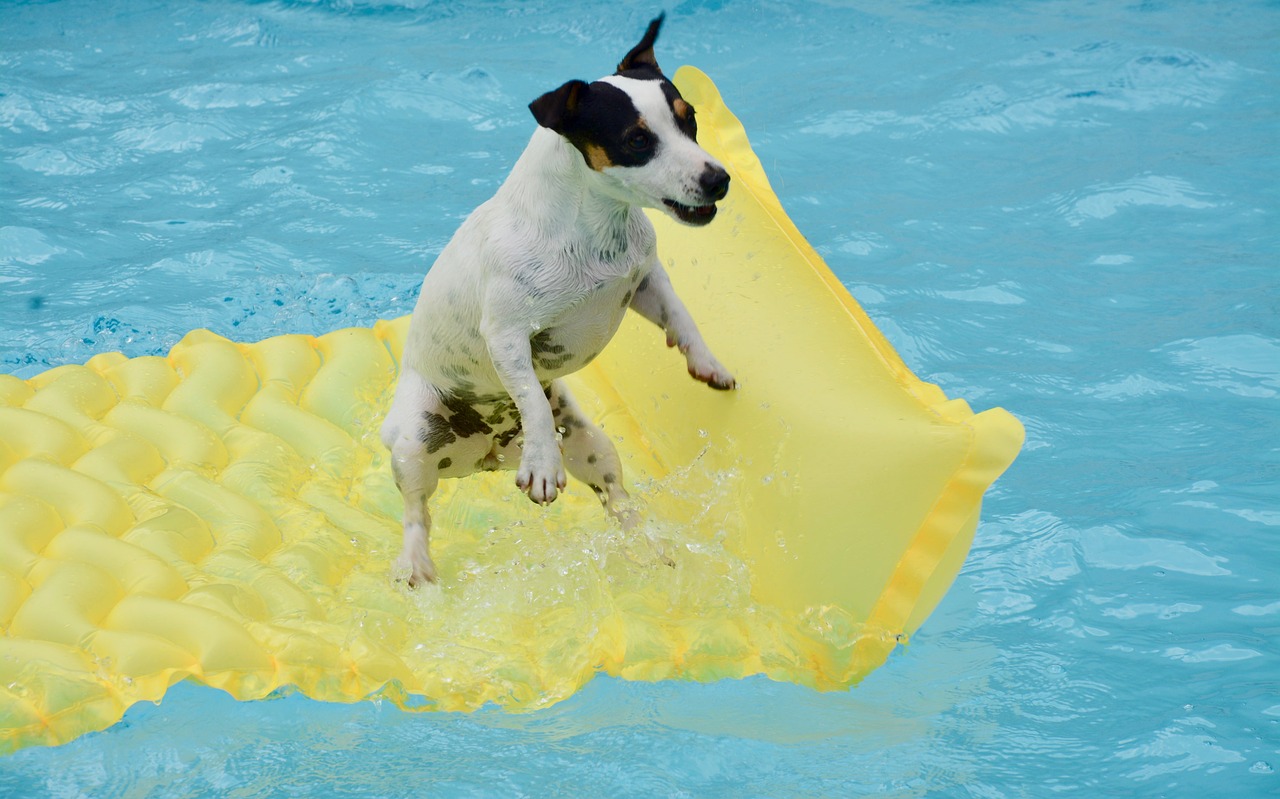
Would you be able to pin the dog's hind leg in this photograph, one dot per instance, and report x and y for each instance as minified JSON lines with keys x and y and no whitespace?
{"x":590,"y":456}
{"x":402,"y":433}
{"x":424,"y":442}
{"x":416,"y":480}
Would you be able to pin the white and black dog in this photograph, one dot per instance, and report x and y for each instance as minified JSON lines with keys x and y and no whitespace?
{"x":536,"y":282}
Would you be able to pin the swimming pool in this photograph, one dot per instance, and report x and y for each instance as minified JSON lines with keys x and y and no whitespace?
{"x":1066,"y":209}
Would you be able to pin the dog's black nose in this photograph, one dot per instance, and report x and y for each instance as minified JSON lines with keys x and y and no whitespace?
{"x":714,"y":182}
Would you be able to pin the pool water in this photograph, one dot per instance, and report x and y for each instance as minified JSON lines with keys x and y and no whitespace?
{"x":1068,"y":209}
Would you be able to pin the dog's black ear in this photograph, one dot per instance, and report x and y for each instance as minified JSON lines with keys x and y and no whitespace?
{"x":641,"y":56}
{"x":556,"y":108}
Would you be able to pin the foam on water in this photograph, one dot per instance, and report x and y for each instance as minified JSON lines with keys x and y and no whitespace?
{"x":1064,"y":208}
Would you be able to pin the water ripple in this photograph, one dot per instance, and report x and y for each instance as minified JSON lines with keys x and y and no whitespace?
{"x":1246,"y":364}
{"x":24,"y":245}
{"x":1103,"y":201}
{"x":1082,"y":87}
{"x":1188,"y":743}
{"x":1109,"y":548}
{"x":206,"y":96}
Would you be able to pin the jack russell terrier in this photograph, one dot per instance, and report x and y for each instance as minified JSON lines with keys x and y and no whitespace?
{"x":534,"y":284}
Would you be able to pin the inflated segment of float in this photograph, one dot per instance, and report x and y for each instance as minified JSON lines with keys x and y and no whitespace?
{"x":226,"y":514}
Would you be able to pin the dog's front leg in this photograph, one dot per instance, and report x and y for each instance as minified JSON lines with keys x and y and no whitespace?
{"x":541,"y":473}
{"x":655,"y":299}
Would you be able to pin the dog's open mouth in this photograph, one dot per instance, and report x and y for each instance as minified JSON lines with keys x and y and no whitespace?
{"x":692,"y":215}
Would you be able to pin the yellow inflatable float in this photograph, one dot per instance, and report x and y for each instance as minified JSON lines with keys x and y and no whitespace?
{"x":226,"y":514}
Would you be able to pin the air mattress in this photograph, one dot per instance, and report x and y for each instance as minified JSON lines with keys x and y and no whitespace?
{"x":226,"y":513}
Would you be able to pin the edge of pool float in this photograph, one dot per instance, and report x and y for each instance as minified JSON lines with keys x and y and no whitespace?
{"x":139,"y":498}
{"x":819,"y":368}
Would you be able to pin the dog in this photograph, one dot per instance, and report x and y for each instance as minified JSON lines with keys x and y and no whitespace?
{"x":535,"y":283}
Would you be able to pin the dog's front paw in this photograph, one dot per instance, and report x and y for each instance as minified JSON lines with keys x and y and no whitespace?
{"x":703,"y":366}
{"x":541,"y":476}
{"x":414,"y":566}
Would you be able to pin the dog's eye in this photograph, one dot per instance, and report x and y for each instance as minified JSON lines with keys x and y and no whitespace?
{"x":640,"y":141}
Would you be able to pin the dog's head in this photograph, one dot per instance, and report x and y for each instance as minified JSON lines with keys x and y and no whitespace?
{"x":639,"y":134}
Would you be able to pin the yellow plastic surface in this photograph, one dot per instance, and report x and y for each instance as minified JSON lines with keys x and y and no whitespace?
{"x":226,"y":514}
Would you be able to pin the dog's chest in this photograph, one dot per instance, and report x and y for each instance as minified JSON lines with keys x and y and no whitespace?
{"x":576,"y":335}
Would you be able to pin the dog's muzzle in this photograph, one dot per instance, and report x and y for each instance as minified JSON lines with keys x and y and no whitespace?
{"x":714,"y":182}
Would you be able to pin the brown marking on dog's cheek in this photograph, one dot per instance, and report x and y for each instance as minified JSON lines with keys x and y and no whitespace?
{"x":684,"y":116}
{"x":597,"y":158}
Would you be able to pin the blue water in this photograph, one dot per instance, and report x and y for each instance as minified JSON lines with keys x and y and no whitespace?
{"x":1068,"y":209}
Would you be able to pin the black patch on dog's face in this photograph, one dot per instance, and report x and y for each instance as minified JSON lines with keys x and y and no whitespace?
{"x":601,"y":120}
{"x":682,"y":111}
{"x":606,"y":128}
